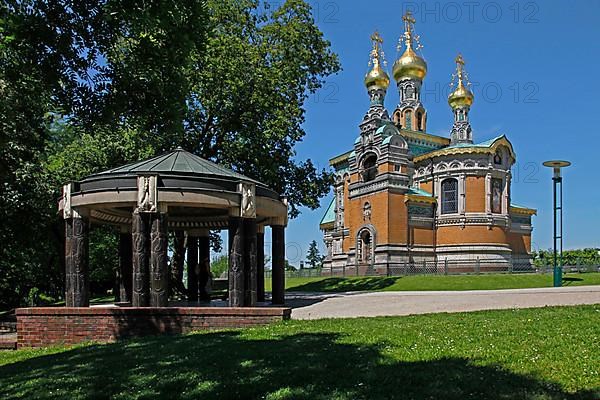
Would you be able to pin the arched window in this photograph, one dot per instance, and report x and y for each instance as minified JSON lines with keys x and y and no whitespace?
{"x":365,"y":247}
{"x":449,"y":196}
{"x":498,"y":158}
{"x":419,"y":121}
{"x":408,"y":119}
{"x":369,"y":168}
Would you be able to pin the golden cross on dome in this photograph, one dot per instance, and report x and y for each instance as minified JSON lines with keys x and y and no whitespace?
{"x":376,"y":37}
{"x":409,"y":20}
{"x":376,"y":53}
{"x":460,"y":64}
{"x":408,"y":17}
{"x":377,"y":41}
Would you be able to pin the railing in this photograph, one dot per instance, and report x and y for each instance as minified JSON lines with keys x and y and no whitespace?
{"x":439,"y":267}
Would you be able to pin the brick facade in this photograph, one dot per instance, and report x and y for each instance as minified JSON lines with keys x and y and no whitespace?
{"x":38,"y":327}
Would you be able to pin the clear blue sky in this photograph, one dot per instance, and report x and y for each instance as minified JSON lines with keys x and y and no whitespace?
{"x":536,"y":75}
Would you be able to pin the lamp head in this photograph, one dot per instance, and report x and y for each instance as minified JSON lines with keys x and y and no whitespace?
{"x":556,"y":165}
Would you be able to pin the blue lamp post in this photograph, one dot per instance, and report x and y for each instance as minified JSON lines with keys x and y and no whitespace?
{"x":556,"y":165}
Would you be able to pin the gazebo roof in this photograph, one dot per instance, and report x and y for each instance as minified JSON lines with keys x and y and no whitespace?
{"x":177,"y":162}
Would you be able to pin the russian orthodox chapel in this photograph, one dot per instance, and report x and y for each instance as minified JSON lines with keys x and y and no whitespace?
{"x":405,"y":197}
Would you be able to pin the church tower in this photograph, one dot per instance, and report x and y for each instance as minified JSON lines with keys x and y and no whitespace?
{"x":377,"y":82}
{"x":409,"y":71}
{"x":460,"y":101}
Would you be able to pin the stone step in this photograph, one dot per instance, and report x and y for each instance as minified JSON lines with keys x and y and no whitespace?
{"x":8,"y":342}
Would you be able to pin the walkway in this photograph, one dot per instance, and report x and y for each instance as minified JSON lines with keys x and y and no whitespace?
{"x":362,"y":304}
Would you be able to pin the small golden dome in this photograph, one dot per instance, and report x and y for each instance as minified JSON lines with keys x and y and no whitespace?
{"x":377,"y":77}
{"x":410,"y":65}
{"x":461,"y":96}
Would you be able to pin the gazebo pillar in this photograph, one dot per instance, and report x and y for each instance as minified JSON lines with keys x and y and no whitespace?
{"x":250,"y":262}
{"x":125,"y":266}
{"x":260,"y":264}
{"x":159,"y":270}
{"x":76,"y":260}
{"x":236,"y":262}
{"x":278,"y":262}
{"x":192,"y":266}
{"x":140,"y":258}
{"x":204,"y":262}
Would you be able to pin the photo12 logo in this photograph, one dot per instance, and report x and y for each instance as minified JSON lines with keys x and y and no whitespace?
{"x":453,"y":12}
{"x":489,"y":92}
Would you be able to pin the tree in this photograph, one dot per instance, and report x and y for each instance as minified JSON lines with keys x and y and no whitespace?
{"x":313,"y":257}
{"x":88,"y":85}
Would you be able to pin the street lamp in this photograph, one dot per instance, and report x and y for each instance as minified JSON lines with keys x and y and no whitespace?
{"x":558,"y":206}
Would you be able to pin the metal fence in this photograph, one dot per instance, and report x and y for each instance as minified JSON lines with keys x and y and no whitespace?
{"x":439,"y":267}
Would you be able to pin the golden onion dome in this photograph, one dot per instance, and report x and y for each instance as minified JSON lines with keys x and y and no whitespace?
{"x":410,"y":65}
{"x":461,"y":96}
{"x":377,"y":77}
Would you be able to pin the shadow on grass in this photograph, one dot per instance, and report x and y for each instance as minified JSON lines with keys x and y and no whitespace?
{"x":225,"y":365}
{"x":345,"y":284}
{"x":569,"y":281}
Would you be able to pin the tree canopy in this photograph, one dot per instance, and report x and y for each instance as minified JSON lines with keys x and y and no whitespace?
{"x":88,"y":85}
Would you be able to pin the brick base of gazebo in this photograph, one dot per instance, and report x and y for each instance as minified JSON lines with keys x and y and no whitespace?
{"x":38,"y":327}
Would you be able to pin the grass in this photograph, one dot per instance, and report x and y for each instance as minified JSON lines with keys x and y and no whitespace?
{"x":436,"y":282}
{"x":550,"y":353}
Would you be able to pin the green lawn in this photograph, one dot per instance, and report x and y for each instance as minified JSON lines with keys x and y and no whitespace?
{"x":549,"y":353}
{"x":435,"y":282}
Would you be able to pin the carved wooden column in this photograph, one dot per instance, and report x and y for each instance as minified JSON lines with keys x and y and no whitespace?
{"x":192,"y":266}
{"x":125,"y":267}
{"x":278,"y":270}
{"x":260,"y":264}
{"x":159,"y":269}
{"x":76,"y":261}
{"x":250,"y":264}
{"x":140,"y":258}
{"x":204,"y":262}
{"x":236,"y":262}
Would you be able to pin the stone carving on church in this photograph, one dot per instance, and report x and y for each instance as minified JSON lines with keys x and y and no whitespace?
{"x":367,"y":212}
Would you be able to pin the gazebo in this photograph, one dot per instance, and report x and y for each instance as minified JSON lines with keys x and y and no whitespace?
{"x":176,"y":191}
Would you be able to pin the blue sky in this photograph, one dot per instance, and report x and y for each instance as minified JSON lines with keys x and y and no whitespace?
{"x":534,"y":65}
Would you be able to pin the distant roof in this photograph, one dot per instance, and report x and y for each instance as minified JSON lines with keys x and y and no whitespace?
{"x":329,"y":216}
{"x":177,"y":162}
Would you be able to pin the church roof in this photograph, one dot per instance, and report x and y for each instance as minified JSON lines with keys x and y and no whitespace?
{"x":517,"y":209}
{"x":329,"y":216}
{"x":419,"y":192}
{"x":466,"y":148}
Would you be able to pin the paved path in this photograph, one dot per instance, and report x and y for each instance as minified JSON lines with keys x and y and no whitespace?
{"x":362,"y":304}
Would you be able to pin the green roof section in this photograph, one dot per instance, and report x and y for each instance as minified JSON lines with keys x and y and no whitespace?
{"x":487,"y":143}
{"x":178,"y":162}
{"x":329,"y":216}
{"x":419,"y":192}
